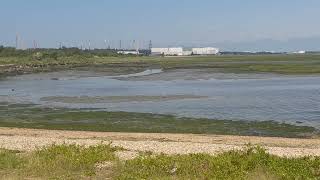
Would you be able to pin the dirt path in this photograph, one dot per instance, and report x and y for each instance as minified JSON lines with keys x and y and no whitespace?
{"x":29,"y":139}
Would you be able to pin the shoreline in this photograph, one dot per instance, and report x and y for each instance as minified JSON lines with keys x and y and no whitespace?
{"x":134,"y":143}
{"x":279,"y":64}
{"x":33,"y":117}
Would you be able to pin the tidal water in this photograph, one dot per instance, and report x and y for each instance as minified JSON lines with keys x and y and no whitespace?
{"x":290,"y":99}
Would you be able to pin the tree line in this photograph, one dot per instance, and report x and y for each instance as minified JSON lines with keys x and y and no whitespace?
{"x":58,"y":53}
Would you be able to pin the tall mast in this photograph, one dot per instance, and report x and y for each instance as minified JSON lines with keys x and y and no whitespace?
{"x":17,"y":41}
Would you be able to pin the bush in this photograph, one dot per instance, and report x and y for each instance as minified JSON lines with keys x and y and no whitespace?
{"x":38,"y":56}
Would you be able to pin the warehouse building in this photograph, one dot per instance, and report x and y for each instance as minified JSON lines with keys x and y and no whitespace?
{"x":186,"y":53}
{"x":179,"y":51}
{"x":129,"y":52}
{"x":174,"y":51}
{"x":205,"y":51}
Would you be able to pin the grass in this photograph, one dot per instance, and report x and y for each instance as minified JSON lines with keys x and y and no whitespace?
{"x":9,"y":160}
{"x":29,"y":116}
{"x":78,"y":162}
{"x":282,"y":64}
{"x":253,"y":163}
{"x":55,"y":162}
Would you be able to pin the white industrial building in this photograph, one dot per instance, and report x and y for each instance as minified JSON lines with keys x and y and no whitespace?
{"x":205,"y":51}
{"x":178,"y":51}
{"x":186,"y":53}
{"x":174,"y":51}
{"x":129,"y":52}
{"x":299,"y":52}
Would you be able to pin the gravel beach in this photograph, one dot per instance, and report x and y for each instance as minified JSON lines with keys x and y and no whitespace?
{"x":30,"y":139}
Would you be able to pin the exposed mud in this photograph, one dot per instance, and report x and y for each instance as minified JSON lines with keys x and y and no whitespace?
{"x":199,"y":93}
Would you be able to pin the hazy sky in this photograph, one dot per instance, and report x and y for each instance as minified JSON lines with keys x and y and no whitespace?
{"x":165,"y":22}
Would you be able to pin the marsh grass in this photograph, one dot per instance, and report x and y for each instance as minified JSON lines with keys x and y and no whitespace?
{"x":282,"y":64}
{"x":252,"y":163}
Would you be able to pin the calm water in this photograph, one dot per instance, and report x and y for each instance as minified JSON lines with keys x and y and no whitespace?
{"x":283,"y":99}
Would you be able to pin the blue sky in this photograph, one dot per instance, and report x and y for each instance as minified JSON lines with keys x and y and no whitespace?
{"x":165,"y":22}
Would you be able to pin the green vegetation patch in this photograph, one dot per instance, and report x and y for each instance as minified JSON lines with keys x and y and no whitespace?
{"x":29,"y":116}
{"x":253,"y":163}
{"x":79,"y":162}
{"x":9,"y":160}
{"x":55,"y":162}
{"x":281,"y":64}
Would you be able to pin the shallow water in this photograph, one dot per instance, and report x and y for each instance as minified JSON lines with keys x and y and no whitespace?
{"x":245,"y":97}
